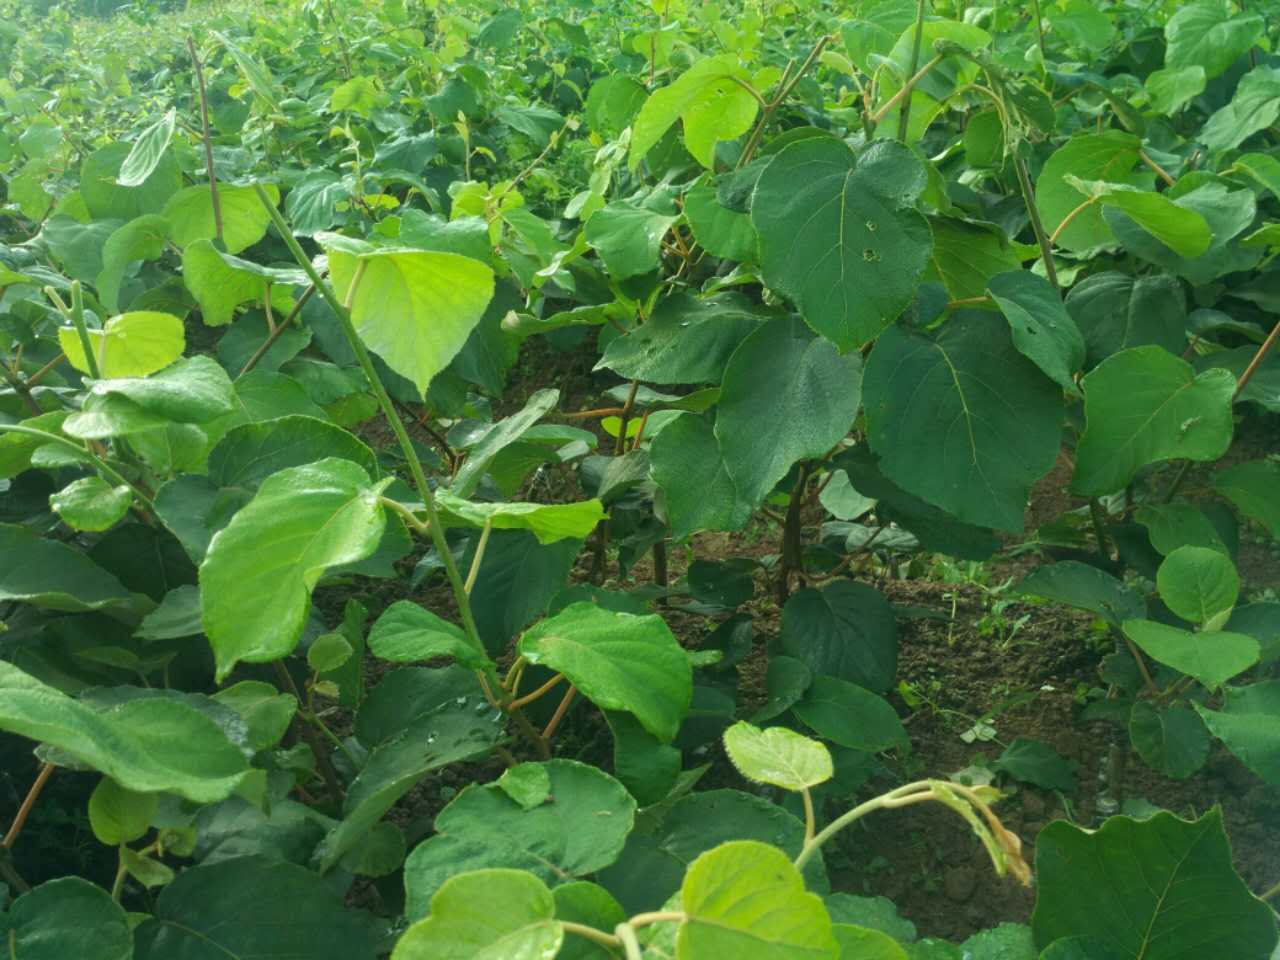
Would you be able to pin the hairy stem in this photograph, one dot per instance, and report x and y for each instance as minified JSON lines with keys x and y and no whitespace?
{"x":208,"y":143}
{"x":1029,"y":198}
{"x":28,"y":802}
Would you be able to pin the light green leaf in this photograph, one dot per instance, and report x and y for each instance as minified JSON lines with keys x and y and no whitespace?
{"x":407,"y":632}
{"x":619,"y":661}
{"x":486,"y":915}
{"x":53,"y":575}
{"x":244,"y":220}
{"x":1261,"y":167}
{"x":745,"y":899}
{"x":129,"y":345}
{"x":1211,"y":35}
{"x":549,"y":522}
{"x":1249,"y":725}
{"x":1141,"y":885}
{"x":359,"y":95}
{"x":257,"y":577}
{"x":412,"y":308}
{"x":252,"y":908}
{"x":1212,"y":658}
{"x":937,"y":416}
{"x":1173,"y":88}
{"x":1144,"y":405}
{"x":1255,"y":490}
{"x":579,"y":830}
{"x":1110,"y":156}
{"x":711,"y":101}
{"x":787,"y":395}
{"x":65,"y":918}
{"x":1181,"y":229}
{"x":864,"y":944}
{"x":91,"y":504}
{"x":1199,"y":584}
{"x":147,"y":151}
{"x":312,"y":203}
{"x":777,"y":756}
{"x":118,"y":815}
{"x":218,"y":286}
{"x":266,"y":712}
{"x":1042,"y":329}
{"x":148,"y":744}
{"x":840,"y":236}
{"x":259,"y":78}
{"x":193,"y":390}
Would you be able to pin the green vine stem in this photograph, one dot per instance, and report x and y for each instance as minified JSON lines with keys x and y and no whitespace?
{"x":308,"y":727}
{"x":1033,"y":214}
{"x":772,"y":106}
{"x":488,"y":676}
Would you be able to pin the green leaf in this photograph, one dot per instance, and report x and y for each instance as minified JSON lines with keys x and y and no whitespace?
{"x":937,"y":416}
{"x":250,"y":908}
{"x":1249,"y":725}
{"x":1008,"y":941}
{"x":499,"y":436}
{"x":65,"y":918}
{"x":244,"y":219}
{"x":685,"y":340}
{"x":850,"y":716}
{"x":312,"y":203}
{"x":108,"y":199}
{"x":1115,"y":311}
{"x":1212,"y":658}
{"x":966,"y":255}
{"x":486,"y":915}
{"x":407,"y":632}
{"x":259,"y":78}
{"x":1211,"y":35}
{"x":866,"y":944}
{"x":1109,"y":156}
{"x":787,"y":395}
{"x":1174,"y":525}
{"x":591,"y":905}
{"x":49,"y":574}
{"x":711,"y":102}
{"x":193,"y":390}
{"x":252,"y":452}
{"x":266,"y":713}
{"x":628,"y":237}
{"x":1199,"y":584}
{"x":1083,"y":26}
{"x":1261,"y":167}
{"x":720,"y":231}
{"x":549,"y":522}
{"x":746,"y":899}
{"x":777,"y":756}
{"x":218,"y":286}
{"x":1254,"y":107}
{"x":646,"y":766}
{"x":413,"y":309}
{"x":141,"y":239}
{"x":686,"y":462}
{"x":518,"y":577}
{"x":91,"y":503}
{"x":1144,"y":405}
{"x":256,"y":579}
{"x":128,"y":345}
{"x":839,"y":234}
{"x":359,"y":95}
{"x":328,"y":652}
{"x":1140,"y":885}
{"x":1172,"y":739}
{"x":613,"y":102}
{"x":579,"y":830}
{"x":528,"y":784}
{"x":1173,"y":88}
{"x":1042,"y":329}
{"x":844,"y":630}
{"x":430,"y":741}
{"x":118,"y":815}
{"x":147,"y":151}
{"x":147,"y":744}
{"x":1181,"y":229}
{"x":1086,"y":587}
{"x":1253,"y":487}
{"x":1036,"y":763}
{"x":619,"y":661}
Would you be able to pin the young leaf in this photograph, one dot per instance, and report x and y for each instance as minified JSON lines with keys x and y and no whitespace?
{"x":91,"y":504}
{"x":937,"y":416}
{"x":1199,"y":584}
{"x":746,"y":899}
{"x":407,"y":632}
{"x":1137,"y":884}
{"x":548,"y":522}
{"x":628,"y":237}
{"x":413,"y":309}
{"x":777,"y":756}
{"x":266,"y":713}
{"x":619,"y":661}
{"x":118,"y":815}
{"x":486,"y":913}
{"x":143,"y":238}
{"x":840,"y":235}
{"x":147,"y":151}
{"x":256,"y":579}
{"x":129,"y":345}
{"x":711,"y":101}
{"x":1144,"y":405}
